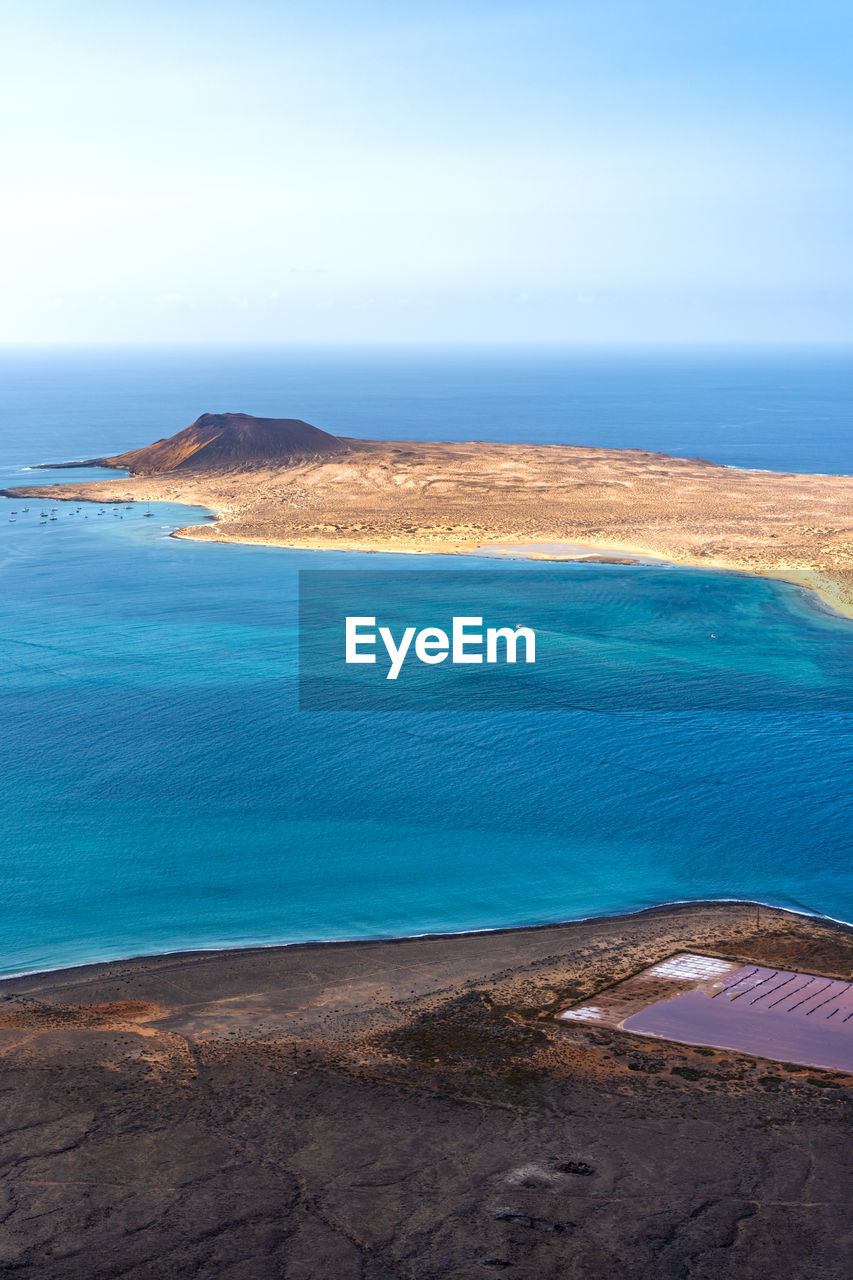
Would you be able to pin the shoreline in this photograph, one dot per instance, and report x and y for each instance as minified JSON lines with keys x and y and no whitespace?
{"x":610,"y":919}
{"x":831,"y":596}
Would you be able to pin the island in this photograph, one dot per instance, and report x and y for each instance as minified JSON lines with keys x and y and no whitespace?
{"x":283,"y":482}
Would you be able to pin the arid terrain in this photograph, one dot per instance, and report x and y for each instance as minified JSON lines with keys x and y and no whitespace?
{"x":272,"y":481}
{"x":374,"y":1111}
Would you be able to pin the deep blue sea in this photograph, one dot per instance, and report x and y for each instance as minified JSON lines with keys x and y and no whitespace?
{"x":161,"y":790}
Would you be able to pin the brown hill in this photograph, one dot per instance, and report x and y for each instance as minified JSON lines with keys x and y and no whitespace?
{"x":220,"y":441}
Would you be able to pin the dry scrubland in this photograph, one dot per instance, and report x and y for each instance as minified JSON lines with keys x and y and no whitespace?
{"x":417,"y":497}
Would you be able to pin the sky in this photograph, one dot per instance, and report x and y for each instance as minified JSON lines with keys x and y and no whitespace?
{"x":481,"y":171}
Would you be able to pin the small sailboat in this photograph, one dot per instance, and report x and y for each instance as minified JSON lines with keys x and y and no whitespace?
{"x":146,"y":513}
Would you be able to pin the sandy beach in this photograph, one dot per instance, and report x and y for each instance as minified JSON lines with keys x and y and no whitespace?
{"x":455,"y":498}
{"x":415,"y":1109}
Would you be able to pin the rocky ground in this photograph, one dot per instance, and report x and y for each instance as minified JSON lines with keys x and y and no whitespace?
{"x":412,"y":1109}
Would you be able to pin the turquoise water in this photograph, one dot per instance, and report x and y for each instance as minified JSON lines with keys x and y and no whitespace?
{"x":159,"y":788}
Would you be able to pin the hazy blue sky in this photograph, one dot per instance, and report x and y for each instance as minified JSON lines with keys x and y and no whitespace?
{"x":591,"y":169}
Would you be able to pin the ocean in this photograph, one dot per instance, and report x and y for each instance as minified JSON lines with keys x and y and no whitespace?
{"x":160,"y":789}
